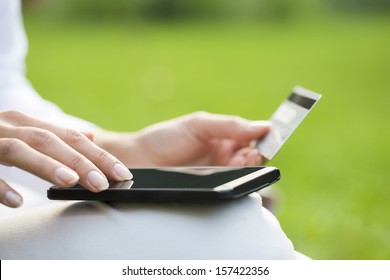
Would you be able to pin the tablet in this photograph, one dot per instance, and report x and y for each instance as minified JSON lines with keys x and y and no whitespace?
{"x":178,"y":184}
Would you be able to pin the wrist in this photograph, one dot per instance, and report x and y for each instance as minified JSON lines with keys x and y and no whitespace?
{"x":124,"y":146}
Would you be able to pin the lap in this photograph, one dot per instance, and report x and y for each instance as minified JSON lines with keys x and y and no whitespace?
{"x":239,"y":229}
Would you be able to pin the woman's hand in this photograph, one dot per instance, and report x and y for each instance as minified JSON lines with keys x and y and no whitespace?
{"x":59,"y":155}
{"x":196,"y":139}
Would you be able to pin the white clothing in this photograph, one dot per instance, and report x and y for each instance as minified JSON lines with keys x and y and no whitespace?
{"x":43,"y":229}
{"x":15,"y":91}
{"x":94,"y":230}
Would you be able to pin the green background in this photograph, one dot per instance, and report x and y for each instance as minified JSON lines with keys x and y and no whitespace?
{"x":126,"y":74}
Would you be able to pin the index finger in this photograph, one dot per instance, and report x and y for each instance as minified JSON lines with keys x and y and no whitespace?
{"x":208,"y":126}
{"x":107,"y":163}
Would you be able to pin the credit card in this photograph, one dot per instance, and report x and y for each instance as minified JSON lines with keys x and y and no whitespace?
{"x":286,"y":119}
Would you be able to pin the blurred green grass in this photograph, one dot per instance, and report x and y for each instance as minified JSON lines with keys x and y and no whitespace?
{"x":334,"y":186}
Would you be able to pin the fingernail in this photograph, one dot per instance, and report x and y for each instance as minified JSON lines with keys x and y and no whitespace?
{"x":67,"y":176}
{"x":98,"y":181}
{"x":11,"y":199}
{"x":122,"y":172}
{"x":257,"y":124}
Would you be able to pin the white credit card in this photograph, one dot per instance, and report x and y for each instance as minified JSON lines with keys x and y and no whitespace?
{"x":286,"y":119}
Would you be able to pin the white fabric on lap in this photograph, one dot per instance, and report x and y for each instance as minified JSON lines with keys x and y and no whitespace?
{"x":240,"y":229}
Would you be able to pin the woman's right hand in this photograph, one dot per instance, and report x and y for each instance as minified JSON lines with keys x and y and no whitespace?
{"x":59,"y":155}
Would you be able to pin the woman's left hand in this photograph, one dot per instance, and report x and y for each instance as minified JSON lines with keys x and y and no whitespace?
{"x":195,"y":139}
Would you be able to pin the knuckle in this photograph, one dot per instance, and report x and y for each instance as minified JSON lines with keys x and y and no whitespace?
{"x":9,"y":146}
{"x":196,"y":117}
{"x":101,"y":157}
{"x":233,"y":122}
{"x":74,"y":137}
{"x":78,"y":162}
{"x":200,"y":115}
{"x":40,"y":137}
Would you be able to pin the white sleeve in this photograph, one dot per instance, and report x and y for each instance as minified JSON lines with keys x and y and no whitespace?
{"x":16,"y":93}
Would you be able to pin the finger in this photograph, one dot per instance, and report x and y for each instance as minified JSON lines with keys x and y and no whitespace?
{"x":106,"y":162}
{"x":101,"y":160}
{"x":223,"y":151}
{"x":245,"y":157}
{"x":14,"y":152}
{"x":209,"y":126}
{"x":238,"y":158}
{"x":89,"y":135}
{"x":9,"y":196}
{"x":52,"y":146}
{"x":252,"y":156}
{"x":261,"y":160}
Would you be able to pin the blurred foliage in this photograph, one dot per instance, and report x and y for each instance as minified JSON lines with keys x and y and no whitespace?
{"x":204,"y":9}
{"x":361,"y":5}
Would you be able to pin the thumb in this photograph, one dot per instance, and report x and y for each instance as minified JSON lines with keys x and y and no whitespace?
{"x":208,"y":126}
